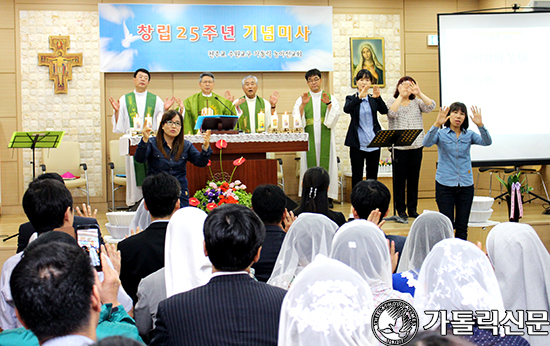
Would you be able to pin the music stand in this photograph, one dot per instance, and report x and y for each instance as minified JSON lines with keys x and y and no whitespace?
{"x":35,"y":139}
{"x":392,"y":138}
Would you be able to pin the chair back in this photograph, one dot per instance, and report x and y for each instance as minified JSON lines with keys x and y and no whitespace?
{"x":116,"y":158}
{"x":65,"y":158}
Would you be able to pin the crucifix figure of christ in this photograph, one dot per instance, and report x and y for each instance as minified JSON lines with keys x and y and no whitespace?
{"x":60,"y":63}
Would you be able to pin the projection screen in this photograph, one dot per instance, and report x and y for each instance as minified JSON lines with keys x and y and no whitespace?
{"x":500,"y":62}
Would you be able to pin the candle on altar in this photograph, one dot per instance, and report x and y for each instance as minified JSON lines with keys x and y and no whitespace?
{"x":286,"y":122}
{"x":261,"y":121}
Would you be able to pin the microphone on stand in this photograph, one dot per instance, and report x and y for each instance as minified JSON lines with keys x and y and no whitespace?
{"x":230,"y":111}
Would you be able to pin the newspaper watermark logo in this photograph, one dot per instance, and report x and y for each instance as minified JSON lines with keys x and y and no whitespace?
{"x":394,"y":322}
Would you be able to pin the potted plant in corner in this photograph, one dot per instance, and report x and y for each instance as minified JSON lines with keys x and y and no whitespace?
{"x":514,"y":197}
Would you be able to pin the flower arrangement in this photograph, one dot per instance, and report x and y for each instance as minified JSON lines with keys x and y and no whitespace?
{"x":221,"y":189}
{"x":385,"y":162}
{"x":513,"y":180}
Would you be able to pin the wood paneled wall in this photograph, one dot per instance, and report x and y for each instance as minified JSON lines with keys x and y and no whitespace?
{"x":419,"y":19}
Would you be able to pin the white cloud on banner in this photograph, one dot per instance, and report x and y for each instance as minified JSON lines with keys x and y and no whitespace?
{"x":115,"y":61}
{"x":115,"y":14}
{"x":171,"y":12}
{"x":305,"y":16}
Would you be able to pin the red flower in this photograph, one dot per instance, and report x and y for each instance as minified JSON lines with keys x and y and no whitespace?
{"x":194,"y":202}
{"x":239,"y":161}
{"x":209,"y":163}
{"x":231,"y":200}
{"x":224,"y":187}
{"x":221,"y":144}
{"x":211,"y":206}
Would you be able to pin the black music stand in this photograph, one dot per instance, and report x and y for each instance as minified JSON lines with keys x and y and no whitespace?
{"x":35,"y":139}
{"x":392,"y":138}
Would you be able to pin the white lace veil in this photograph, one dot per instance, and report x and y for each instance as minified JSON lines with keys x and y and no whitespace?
{"x":142,"y":217}
{"x":186,"y":265}
{"x":428,"y":229}
{"x":363,"y":246}
{"x":327,"y":304}
{"x":456,"y":275}
{"x":522,"y":268}
{"x":309,"y":235}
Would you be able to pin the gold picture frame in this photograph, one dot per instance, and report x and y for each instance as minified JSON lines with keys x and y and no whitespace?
{"x":374,"y":45}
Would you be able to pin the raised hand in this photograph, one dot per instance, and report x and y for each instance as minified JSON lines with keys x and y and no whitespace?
{"x":414,"y":88}
{"x":206,"y":142}
{"x":325,"y":98}
{"x":147,"y":132}
{"x":108,"y":289}
{"x":114,"y":255}
{"x":240,"y":102}
{"x":115,"y":104}
{"x":305,"y":98}
{"x":228,"y":96}
{"x":442,"y":116}
{"x":180,"y":104}
{"x":375,"y":216}
{"x":273,"y":99}
{"x":476,"y":116}
{"x":86,"y":211}
{"x":404,"y":90}
{"x":375,"y":91}
{"x":288,"y":219}
{"x":169,"y":102}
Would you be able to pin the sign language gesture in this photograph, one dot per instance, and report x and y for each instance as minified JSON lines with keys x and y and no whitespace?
{"x":476,"y":117}
{"x":363,"y":90}
{"x":273,"y":99}
{"x":442,"y":117}
{"x":147,"y":132}
{"x":414,"y":88}
{"x":169,"y":102}
{"x":404,"y":90}
{"x":375,"y":91}
{"x":206,"y":137}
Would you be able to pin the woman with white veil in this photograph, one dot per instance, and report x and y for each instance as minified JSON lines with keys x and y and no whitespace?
{"x":426,"y":231}
{"x":522,"y":268}
{"x":362,"y":245}
{"x":186,"y":266}
{"x":309,"y":235}
{"x":328,"y":304}
{"x":457,"y":276}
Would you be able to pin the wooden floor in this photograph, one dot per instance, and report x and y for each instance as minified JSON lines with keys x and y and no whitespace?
{"x":9,"y":224}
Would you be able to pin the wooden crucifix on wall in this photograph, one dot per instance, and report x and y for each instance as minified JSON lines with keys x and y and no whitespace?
{"x":60,"y":63}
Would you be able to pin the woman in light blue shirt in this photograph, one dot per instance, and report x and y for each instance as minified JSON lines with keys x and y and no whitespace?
{"x":454,"y":182}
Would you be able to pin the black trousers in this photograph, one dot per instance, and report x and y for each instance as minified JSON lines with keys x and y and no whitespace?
{"x":459,"y":198}
{"x":359,"y":159}
{"x":406,"y":173}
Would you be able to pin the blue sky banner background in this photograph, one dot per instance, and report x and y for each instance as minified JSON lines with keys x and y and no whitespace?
{"x":124,"y":50}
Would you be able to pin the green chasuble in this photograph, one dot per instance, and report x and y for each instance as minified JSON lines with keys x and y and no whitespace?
{"x":324,"y":158}
{"x":244,"y":120}
{"x":131,"y":107}
{"x":195,"y":103}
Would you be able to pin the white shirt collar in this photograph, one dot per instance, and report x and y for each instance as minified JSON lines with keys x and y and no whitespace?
{"x":209,"y":95}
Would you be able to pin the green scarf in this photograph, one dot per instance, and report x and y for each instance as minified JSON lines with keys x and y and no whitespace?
{"x":131,"y":106}
{"x":325,"y":136}
{"x":244,"y":122}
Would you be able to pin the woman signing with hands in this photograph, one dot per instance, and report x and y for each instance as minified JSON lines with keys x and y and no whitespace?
{"x":454,"y":182}
{"x":169,"y":152}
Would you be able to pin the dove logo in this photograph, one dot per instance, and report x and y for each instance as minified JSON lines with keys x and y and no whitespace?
{"x":394,"y":322}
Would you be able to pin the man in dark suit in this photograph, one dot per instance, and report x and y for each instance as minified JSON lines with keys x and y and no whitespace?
{"x":269,"y":202}
{"x":369,"y":195}
{"x":363,"y":126}
{"x":233,"y":308}
{"x":26,"y":230}
{"x":143,"y":254}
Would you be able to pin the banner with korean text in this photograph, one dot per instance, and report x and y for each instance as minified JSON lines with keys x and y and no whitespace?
{"x":198,"y":38}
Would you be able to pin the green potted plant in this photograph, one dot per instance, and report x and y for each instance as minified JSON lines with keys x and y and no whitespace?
{"x":524,"y":188}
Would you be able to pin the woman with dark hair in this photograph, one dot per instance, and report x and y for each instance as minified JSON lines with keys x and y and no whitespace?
{"x":454,"y":182}
{"x":169,"y":152}
{"x":405,"y":113}
{"x":315,"y":195}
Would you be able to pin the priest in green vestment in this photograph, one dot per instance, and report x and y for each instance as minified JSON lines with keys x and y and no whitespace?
{"x":205,"y":103}
{"x":319,"y":112}
{"x":138,"y":105}
{"x":252,"y":104}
